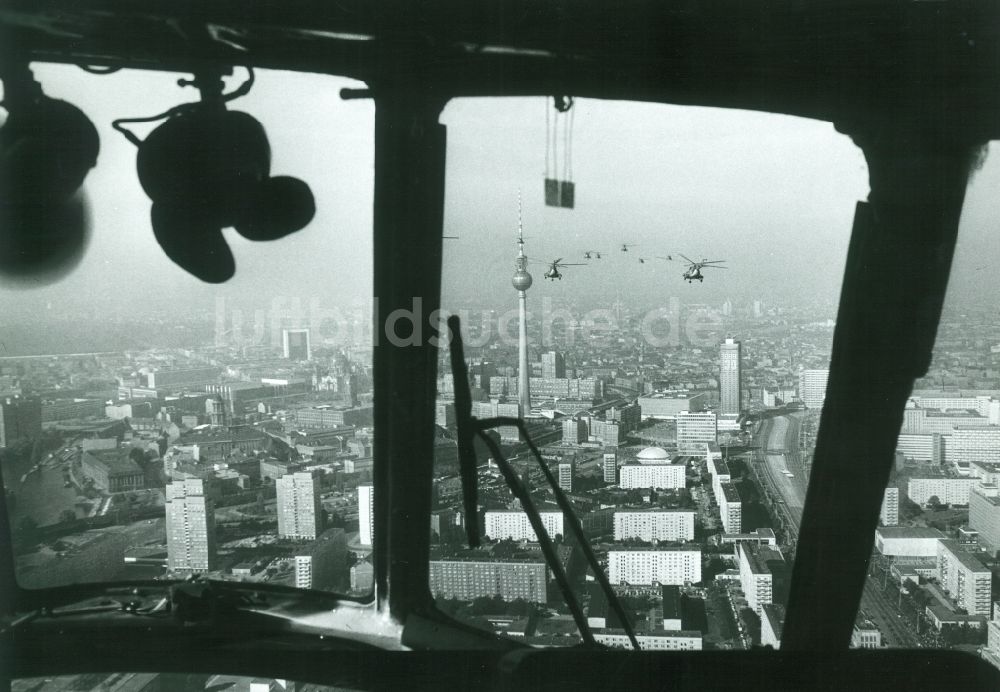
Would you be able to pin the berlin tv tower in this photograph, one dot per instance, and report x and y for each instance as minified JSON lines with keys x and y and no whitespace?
{"x":522,"y":282}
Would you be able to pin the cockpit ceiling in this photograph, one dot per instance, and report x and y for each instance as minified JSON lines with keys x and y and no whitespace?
{"x":822,"y":59}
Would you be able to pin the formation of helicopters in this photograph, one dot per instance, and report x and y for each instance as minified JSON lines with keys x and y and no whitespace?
{"x":691,"y":273}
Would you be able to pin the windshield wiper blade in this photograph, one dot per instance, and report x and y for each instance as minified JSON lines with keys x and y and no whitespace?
{"x":466,"y":432}
{"x":467,"y":427}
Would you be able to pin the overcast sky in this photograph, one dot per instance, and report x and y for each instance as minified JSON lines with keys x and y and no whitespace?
{"x":772,"y":195}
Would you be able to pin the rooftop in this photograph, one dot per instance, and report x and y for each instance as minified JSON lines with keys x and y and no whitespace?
{"x":116,"y":461}
{"x":663,"y":634}
{"x":908,"y":532}
{"x":970,"y":562}
{"x":775,"y":615}
{"x":729,"y":492}
{"x":657,"y":549}
{"x":653,"y":454}
{"x":651,"y":510}
{"x":721,"y":467}
{"x":954,"y":413}
{"x":759,"y":558}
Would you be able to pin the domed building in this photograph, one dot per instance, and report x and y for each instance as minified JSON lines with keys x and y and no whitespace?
{"x":653,"y":455}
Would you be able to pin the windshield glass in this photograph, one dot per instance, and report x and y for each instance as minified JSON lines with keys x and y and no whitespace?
{"x":685,"y":267}
{"x":154,"y":425}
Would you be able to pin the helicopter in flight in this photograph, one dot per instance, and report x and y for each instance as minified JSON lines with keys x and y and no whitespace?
{"x":693,"y":272}
{"x":591,"y":254}
{"x":626,"y":246}
{"x":553,"y":273}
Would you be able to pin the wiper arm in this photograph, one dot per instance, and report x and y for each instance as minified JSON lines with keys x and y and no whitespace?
{"x":574,"y":522}
{"x":467,"y":427}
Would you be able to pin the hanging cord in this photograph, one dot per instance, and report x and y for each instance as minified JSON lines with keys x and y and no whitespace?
{"x":566,"y":126}
{"x":548,"y":137}
{"x":568,"y":172}
{"x":479,"y":427}
{"x":242,"y":90}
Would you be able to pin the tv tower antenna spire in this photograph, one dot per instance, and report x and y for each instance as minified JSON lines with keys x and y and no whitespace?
{"x":522,"y":282}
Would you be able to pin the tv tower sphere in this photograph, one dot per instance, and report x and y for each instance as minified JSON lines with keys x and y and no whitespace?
{"x":521,"y":278}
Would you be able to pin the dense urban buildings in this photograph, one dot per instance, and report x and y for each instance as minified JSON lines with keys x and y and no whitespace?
{"x":623,"y":426}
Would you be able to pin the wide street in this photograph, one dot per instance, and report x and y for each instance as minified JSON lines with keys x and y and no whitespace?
{"x":779,"y":437}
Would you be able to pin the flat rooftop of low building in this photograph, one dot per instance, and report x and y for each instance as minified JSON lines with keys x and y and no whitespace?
{"x":947,"y":615}
{"x":908,"y":532}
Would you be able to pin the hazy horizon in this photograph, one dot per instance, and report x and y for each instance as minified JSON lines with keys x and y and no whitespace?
{"x":773,"y":195}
